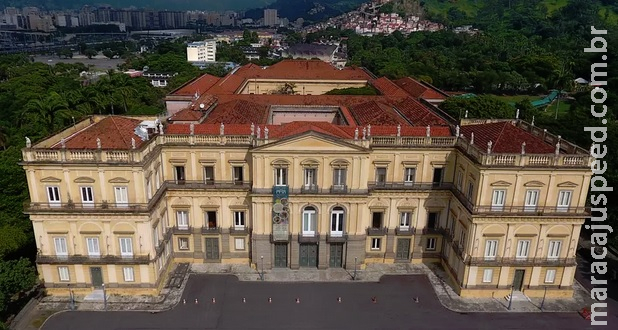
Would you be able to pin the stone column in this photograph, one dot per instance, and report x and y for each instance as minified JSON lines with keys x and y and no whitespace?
{"x":323,"y":253}
{"x":294,"y":250}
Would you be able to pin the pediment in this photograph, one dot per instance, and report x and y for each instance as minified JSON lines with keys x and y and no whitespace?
{"x":84,"y":179}
{"x":280,"y":162}
{"x":568,"y":184}
{"x":500,"y":183}
{"x":309,"y":162}
{"x":118,"y":180}
{"x":534,"y":184}
{"x":51,"y":179}
{"x":310,"y":142}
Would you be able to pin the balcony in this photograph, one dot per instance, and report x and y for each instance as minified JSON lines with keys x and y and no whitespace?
{"x":336,"y":238}
{"x":182,"y":230}
{"x":286,"y":240}
{"x":85,"y":207}
{"x":371,"y":231}
{"x":339,"y":189}
{"x":208,"y":184}
{"x":500,"y":261}
{"x":305,"y":238}
{"x":311,"y":189}
{"x":211,"y":230}
{"x":432,"y":231}
{"x":239,"y":230}
{"x":88,"y":260}
{"x":388,"y":185}
{"x":405,"y":231}
{"x":531,"y":211}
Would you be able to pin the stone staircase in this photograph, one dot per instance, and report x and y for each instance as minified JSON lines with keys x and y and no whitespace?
{"x":517,"y":296}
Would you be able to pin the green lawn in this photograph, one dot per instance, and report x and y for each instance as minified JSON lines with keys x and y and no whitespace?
{"x":516,"y":98}
{"x":563,"y":108}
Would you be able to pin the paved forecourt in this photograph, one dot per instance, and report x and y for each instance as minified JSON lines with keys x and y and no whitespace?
{"x":395,"y":307}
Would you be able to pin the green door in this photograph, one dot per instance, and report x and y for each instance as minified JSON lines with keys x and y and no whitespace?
{"x":336,"y":255}
{"x":308,"y":255}
{"x":281,"y":255}
{"x":97,"y":277}
{"x":518,"y":279}
{"x":212,"y":249}
{"x":403,"y":249}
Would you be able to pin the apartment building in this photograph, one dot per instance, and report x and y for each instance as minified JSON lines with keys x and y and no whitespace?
{"x":202,"y":51}
{"x":246,"y":172}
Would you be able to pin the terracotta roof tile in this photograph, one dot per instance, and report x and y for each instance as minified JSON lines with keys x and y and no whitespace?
{"x":308,"y":69}
{"x":198,"y":85}
{"x":115,"y":132}
{"x":387,"y":87}
{"x":418,"y":114}
{"x":208,"y":129}
{"x":506,"y":138}
{"x":417,"y":89}
{"x":238,"y":112}
{"x":187,"y":115}
{"x":376,"y":113}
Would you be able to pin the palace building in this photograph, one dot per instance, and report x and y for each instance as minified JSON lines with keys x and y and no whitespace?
{"x":263,"y":166}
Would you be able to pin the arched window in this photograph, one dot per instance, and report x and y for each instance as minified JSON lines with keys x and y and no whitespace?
{"x":336,"y":222}
{"x":309,"y":221}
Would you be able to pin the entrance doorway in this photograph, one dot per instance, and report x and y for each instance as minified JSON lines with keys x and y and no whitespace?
{"x":308,"y":255}
{"x":518,"y":279}
{"x":97,"y":277}
{"x":403,"y":249}
{"x":281,"y":255}
{"x":212,"y":249}
{"x":336,"y":255}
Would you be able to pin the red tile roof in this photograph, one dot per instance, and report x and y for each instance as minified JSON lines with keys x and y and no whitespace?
{"x":115,"y":132}
{"x":506,"y":138}
{"x":238,"y":112}
{"x":305,"y":69}
{"x":208,"y":129}
{"x":418,"y":90}
{"x":188,"y":114}
{"x":198,"y":85}
{"x":418,"y":114}
{"x":387,"y":87}
{"x":376,"y":113}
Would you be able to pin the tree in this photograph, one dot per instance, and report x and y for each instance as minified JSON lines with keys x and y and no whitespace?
{"x":90,"y":52}
{"x":15,"y":276}
{"x":483,"y":106}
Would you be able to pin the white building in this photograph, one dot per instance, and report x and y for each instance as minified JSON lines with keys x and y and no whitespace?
{"x":202,"y":51}
{"x":270,"y":17}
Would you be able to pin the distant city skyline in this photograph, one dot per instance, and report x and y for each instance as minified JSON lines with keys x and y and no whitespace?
{"x":214,"y":5}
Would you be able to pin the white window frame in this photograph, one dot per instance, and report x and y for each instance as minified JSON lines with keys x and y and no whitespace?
{"x":553,"y":249}
{"x":94,"y":247}
{"x":498,"y":200}
{"x":460,"y":176}
{"x":64,"y":274}
{"x":376,"y":243}
{"x":550,"y":276}
{"x":523,"y":249}
{"x":182,"y":246}
{"x":126,"y":246}
{"x":431,"y":244}
{"x":121,"y":194}
{"x":336,"y":222}
{"x":182,"y":219}
{"x":564,"y":200}
{"x":531,"y":201}
{"x":239,"y":219}
{"x":239,"y":243}
{"x":281,"y":176}
{"x":308,"y":222}
{"x":381,"y":181}
{"x":310,"y":177}
{"x":409,"y":175}
{"x":87,"y":195}
{"x":405,"y":220}
{"x":60,"y":244}
{"x":128,"y":274}
{"x":491,"y":249}
{"x":241,"y":173}
{"x":53,"y":196}
{"x":184,"y":173}
{"x":339,"y":177}
{"x":209,"y":179}
{"x":488,"y":275}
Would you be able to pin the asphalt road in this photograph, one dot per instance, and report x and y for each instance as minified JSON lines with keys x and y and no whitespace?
{"x":318,"y":309}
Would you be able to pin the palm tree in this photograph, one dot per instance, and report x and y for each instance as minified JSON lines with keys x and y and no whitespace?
{"x":47,"y":111}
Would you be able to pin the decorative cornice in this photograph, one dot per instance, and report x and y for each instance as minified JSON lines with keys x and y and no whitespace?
{"x":568,"y":184}
{"x":51,"y":179}
{"x":83,"y":179}
{"x":534,"y":184}
{"x":500,"y":183}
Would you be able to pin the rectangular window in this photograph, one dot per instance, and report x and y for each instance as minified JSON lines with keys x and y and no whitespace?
{"x":339,"y":178}
{"x":238,"y":174}
{"x":183,"y":243}
{"x":550,"y":276}
{"x":182,"y":219}
{"x":432,"y":220}
{"x":488,"y":275}
{"x":126,"y":246}
{"x":87,"y":196}
{"x":281,"y":176}
{"x":148,"y":189}
{"x":376,"y":220}
{"x":122,"y":196}
{"x":157,"y":180}
{"x":239,"y":243}
{"x":210,"y":219}
{"x":309,"y":217}
{"x":491,"y":249}
{"x":404,"y":220}
{"x":409,"y":175}
{"x":336,"y":223}
{"x":179,"y":174}
{"x":155,"y":236}
{"x":431,"y":244}
{"x":564,"y":200}
{"x":381,"y":175}
{"x":437,"y":175}
{"x":376,"y":243}
{"x":129,"y":276}
{"x":60,"y":243}
{"x":531,"y":201}
{"x":460,"y":176}
{"x":310,"y":177}
{"x":498,"y":199}
{"x":462,"y":239}
{"x":53,"y":195}
{"x":554,"y":249}
{"x":93,"y":246}
{"x":63,"y":273}
{"x":209,"y":174}
{"x":470,"y":192}
{"x":239,"y":219}
{"x":523,"y":247}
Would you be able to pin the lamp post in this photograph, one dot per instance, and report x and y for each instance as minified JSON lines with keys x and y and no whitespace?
{"x":543,"y":301}
{"x":511,"y":297}
{"x":354,"y":277}
{"x":262,"y":274}
{"x":104,"y":298}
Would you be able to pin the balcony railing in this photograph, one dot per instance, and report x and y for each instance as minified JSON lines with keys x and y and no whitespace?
{"x":531,"y":210}
{"x":315,"y":190}
{"x":339,"y":189}
{"x":403,"y":231}
{"x":372,"y":231}
{"x":182,"y":230}
{"x":336,"y":238}
{"x":500,"y":261}
{"x":432,"y":231}
{"x":209,"y":184}
{"x":305,"y":238}
{"x":89,"y":260}
{"x":85,"y":207}
{"x":312,"y":189}
{"x":388,"y":185}
{"x":211,"y":230}
{"x":239,"y":230}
